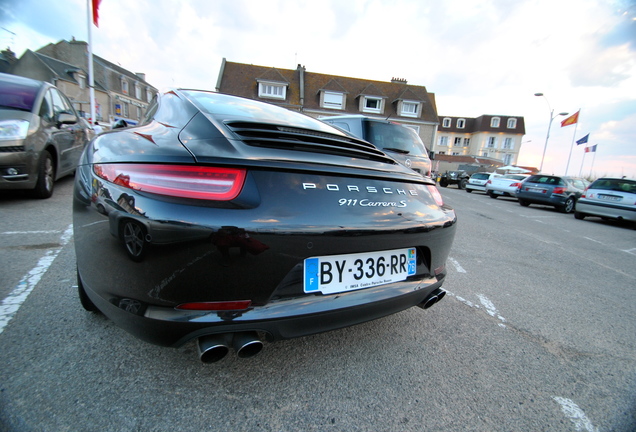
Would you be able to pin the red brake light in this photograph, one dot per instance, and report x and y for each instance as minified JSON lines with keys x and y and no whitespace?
{"x":186,"y":181}
{"x":216,"y":306}
{"x":488,"y":182}
{"x":436,"y":195}
{"x":558,"y":190}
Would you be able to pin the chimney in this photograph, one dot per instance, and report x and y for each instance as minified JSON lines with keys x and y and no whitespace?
{"x":398,"y":80}
{"x":141,"y":76}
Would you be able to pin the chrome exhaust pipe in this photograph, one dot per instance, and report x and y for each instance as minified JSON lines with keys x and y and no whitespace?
{"x":213,"y":348}
{"x":433,"y":298}
{"x":246,"y":344}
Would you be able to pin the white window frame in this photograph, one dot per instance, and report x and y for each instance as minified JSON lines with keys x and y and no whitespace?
{"x":333,"y":100}
{"x":404,"y":112}
{"x":495,"y":122}
{"x":461,"y":123}
{"x":466,"y":142}
{"x":443,"y":141}
{"x":446,"y":122}
{"x":368,"y":109}
{"x":512,"y":123}
{"x":137,"y":91}
{"x":272,"y":90}
{"x":509,"y":144}
{"x":457,"y":142}
{"x":148,"y":95}
{"x":124,"y":86}
{"x":507,"y":159}
{"x":491,"y":142}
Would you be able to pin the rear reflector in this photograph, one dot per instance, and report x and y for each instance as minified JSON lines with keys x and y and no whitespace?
{"x":216,"y":306}
{"x":185,"y":181}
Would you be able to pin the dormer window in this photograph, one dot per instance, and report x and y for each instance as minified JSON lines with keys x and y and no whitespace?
{"x":410,"y":108}
{"x":512,"y":123}
{"x":494,"y":122}
{"x":137,"y":91}
{"x":461,"y":123}
{"x":372,"y":105}
{"x":272,"y":90}
{"x":124,"y":85}
{"x":446,"y":122}
{"x":332,"y":100}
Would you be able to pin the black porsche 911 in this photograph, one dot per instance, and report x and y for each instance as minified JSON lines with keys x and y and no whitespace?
{"x":232,"y":221}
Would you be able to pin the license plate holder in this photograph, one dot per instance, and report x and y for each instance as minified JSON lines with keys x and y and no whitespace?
{"x":341,"y":273}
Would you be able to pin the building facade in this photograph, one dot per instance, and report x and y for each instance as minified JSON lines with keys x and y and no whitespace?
{"x":321,"y":95}
{"x":488,"y":136}
{"x":119,"y":93}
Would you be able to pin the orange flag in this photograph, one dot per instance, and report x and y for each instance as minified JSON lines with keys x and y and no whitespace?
{"x":571,"y":120}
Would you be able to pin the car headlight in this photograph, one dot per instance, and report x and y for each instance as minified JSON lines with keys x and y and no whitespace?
{"x":13,"y":129}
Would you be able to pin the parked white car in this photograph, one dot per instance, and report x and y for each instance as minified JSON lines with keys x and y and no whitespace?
{"x":505,"y":186}
{"x":609,"y":198}
{"x":477,"y":181}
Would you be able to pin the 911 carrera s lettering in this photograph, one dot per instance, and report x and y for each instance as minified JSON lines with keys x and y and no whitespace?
{"x":368,"y":189}
{"x":368,"y":203}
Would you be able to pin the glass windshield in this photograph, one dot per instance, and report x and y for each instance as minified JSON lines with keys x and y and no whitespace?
{"x":18,"y":94}
{"x":394,"y":137}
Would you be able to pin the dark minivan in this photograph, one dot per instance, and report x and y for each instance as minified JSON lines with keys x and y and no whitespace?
{"x":41,"y":135}
{"x":400,"y":142}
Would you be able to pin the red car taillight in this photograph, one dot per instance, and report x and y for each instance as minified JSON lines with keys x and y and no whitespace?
{"x":185,"y":181}
{"x":436,"y":195}
{"x":558,"y":190}
{"x":488,"y":182}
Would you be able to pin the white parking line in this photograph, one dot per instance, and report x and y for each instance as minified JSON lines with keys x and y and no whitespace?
{"x":575,"y":414}
{"x":486,"y":303}
{"x":458,"y":267}
{"x":29,"y":232}
{"x":11,"y":304}
{"x":630,"y":251}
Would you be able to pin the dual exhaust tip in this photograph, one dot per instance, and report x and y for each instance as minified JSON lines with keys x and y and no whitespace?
{"x":213,"y":348}
{"x":433,"y":298}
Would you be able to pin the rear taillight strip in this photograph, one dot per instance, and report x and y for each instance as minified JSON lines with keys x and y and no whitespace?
{"x":184,"y":181}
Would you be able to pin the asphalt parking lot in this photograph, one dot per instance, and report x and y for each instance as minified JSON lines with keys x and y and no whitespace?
{"x":536,"y":333}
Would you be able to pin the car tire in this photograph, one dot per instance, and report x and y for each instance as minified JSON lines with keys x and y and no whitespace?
{"x":462,"y":184}
{"x":86,"y":302}
{"x":46,"y":176}
{"x":579,"y":215}
{"x":491,"y":194}
{"x":443,"y":183}
{"x":568,"y":206}
{"x":134,"y":236}
{"x":524,"y":203}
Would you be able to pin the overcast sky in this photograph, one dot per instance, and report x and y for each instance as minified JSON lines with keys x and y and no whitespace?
{"x":477,"y":56}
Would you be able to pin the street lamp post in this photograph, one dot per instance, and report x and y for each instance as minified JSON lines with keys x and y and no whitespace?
{"x":547,"y":137}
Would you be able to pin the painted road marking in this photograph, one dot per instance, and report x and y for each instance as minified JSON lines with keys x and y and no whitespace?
{"x":11,"y":304}
{"x":575,"y":414}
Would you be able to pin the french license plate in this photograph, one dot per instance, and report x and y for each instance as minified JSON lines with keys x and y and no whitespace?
{"x":340,"y":273}
{"x":609,"y":197}
{"x":537,"y":190}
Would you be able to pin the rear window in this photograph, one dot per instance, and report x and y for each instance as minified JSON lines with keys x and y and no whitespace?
{"x":548,"y":180}
{"x":18,"y":95}
{"x":618,"y":185}
{"x":481,"y":176}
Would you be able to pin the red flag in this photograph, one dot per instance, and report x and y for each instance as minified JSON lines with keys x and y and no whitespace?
{"x":571,"y":120}
{"x":590,"y":149}
{"x":96,"y":11}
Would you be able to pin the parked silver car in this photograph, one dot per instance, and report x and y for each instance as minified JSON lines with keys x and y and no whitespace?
{"x":608,"y":198}
{"x":41,"y":135}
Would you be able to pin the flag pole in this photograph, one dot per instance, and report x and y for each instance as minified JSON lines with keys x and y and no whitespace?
{"x":593,"y":159}
{"x":91,"y":79}
{"x":572,"y":145}
{"x":581,"y":170}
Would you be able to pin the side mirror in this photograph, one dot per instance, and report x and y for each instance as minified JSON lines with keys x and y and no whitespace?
{"x":119,"y":124}
{"x":431,"y":155}
{"x":65,"y":118}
